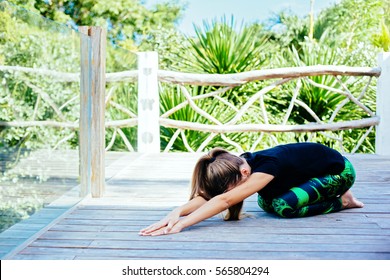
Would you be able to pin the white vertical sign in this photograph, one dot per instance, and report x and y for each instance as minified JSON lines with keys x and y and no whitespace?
{"x":148,"y":103}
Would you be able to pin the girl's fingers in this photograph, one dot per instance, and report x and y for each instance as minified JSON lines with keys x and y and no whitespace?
{"x":153,"y":227}
{"x":147,"y":232}
{"x":147,"y":228}
{"x":170,"y":225}
{"x":163,"y":231}
{"x":162,"y":227}
{"x":158,"y":232}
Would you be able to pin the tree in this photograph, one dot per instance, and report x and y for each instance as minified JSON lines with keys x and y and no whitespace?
{"x":336,"y":25}
{"x":347,"y":27}
{"x":288,"y":30}
{"x":128,"y":22}
{"x":381,"y":39}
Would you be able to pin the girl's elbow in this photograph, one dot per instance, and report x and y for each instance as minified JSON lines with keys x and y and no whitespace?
{"x":224,"y":202}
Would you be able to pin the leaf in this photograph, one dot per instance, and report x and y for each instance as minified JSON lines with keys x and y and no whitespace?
{"x":382,"y":40}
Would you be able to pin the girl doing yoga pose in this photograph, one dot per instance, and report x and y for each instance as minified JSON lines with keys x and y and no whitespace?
{"x":292,"y":180}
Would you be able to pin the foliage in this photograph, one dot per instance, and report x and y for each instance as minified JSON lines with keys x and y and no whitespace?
{"x":170,"y":97}
{"x":335,"y":26}
{"x":382,"y":39}
{"x":29,"y":46}
{"x":170,"y":45}
{"x":351,"y":28}
{"x":12,"y":212}
{"x":28,"y":40}
{"x":220,"y":48}
{"x":288,"y":30}
{"x":124,"y":94}
{"x":322,"y":101}
{"x":32,"y":46}
{"x":128,"y":22}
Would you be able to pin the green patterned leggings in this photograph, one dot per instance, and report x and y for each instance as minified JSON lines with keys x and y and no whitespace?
{"x":316,"y":196}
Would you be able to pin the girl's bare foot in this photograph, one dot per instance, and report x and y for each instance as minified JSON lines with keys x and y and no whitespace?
{"x":349,"y":201}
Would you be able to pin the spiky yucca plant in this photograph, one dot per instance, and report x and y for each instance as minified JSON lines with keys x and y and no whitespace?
{"x":220,"y":47}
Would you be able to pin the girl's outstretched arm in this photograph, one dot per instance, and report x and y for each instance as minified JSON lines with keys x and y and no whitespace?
{"x":219,"y":203}
{"x":173,"y":217}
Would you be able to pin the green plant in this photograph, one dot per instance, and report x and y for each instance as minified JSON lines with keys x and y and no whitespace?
{"x":125,"y":95}
{"x":220,"y":48}
{"x":171,"y":96}
{"x":382,"y":39}
{"x":15,"y":205}
{"x":323,"y":101}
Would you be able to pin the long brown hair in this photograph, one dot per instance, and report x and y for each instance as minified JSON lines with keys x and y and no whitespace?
{"x":214,"y":174}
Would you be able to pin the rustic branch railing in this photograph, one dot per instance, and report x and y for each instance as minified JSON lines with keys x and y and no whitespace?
{"x":267,"y":74}
{"x":282,"y":76}
{"x":223,"y":84}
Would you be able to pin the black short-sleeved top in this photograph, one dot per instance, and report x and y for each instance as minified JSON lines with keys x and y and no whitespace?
{"x":294,"y":164}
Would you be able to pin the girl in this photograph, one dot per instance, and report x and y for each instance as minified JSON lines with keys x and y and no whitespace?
{"x":293,"y":180}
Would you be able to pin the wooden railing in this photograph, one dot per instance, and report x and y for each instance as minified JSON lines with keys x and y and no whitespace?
{"x":149,"y":97}
{"x":279,"y":77}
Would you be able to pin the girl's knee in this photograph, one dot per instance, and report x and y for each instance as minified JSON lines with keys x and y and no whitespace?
{"x":283,"y":209}
{"x":265,"y":204}
{"x":349,"y":174}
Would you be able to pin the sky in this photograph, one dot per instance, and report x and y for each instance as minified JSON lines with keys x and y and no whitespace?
{"x":246,"y":11}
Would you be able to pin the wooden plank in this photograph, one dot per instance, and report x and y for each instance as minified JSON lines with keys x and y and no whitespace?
{"x":44,"y":257}
{"x":263,"y":256}
{"x":247,"y":222}
{"x":218,"y":236}
{"x":137,"y":224}
{"x":221,"y":224}
{"x":214,"y":229}
{"x":66,"y":243}
{"x":208,"y":254}
{"x":193,"y":249}
{"x":373,"y":246}
{"x":62,"y":241}
{"x":117,"y":161}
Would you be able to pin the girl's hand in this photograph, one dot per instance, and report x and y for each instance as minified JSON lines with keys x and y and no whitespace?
{"x":170,"y":223}
{"x":164,"y":225}
{"x":165,"y":230}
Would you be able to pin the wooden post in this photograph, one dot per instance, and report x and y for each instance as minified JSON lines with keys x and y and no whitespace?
{"x":92,"y":111}
{"x":85,"y":112}
{"x":382,"y":140}
{"x":148,"y":103}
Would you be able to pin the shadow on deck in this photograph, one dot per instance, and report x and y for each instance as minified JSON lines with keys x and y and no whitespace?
{"x":141,"y":189}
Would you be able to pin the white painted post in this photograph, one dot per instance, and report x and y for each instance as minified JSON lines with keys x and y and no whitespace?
{"x":148,"y":103}
{"x":382,"y":140}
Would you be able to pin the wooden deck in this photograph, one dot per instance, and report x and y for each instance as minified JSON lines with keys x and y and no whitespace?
{"x":141,"y":189}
